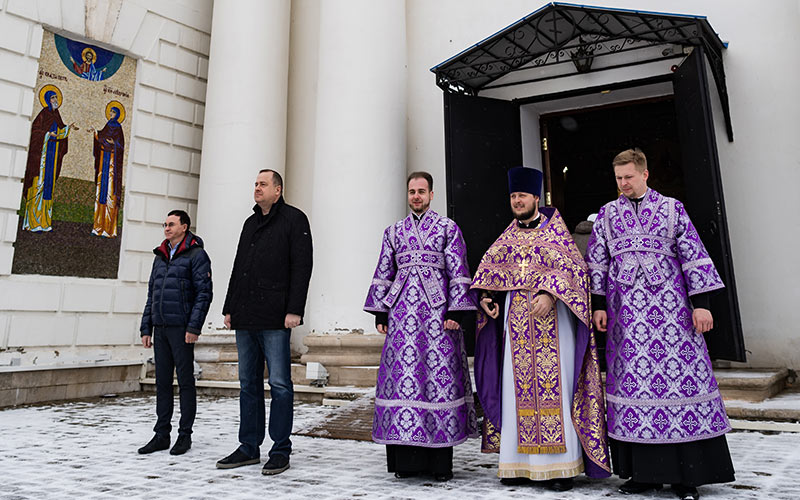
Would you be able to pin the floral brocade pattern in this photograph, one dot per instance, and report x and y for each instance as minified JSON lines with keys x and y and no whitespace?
{"x":537,"y":372}
{"x":424,"y":393}
{"x":660,"y":384}
{"x":522,"y":262}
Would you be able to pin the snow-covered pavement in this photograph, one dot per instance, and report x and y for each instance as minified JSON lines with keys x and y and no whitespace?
{"x":87,"y":450}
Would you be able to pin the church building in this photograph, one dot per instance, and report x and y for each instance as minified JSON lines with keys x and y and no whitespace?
{"x":113,"y":113}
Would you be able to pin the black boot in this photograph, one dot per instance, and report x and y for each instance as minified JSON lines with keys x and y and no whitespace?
{"x":275,"y":465}
{"x":236,"y":459}
{"x":686,"y":492}
{"x":632,"y":487}
{"x":158,"y":443}
{"x":182,"y":445}
{"x":560,"y":484}
{"x":514,"y":481}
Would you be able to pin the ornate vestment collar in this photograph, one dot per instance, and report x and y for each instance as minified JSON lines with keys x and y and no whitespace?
{"x":538,"y":259}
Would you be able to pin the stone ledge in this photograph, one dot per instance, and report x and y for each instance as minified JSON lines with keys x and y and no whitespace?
{"x":67,"y":366}
{"x":66,"y":375}
{"x":38,"y":384}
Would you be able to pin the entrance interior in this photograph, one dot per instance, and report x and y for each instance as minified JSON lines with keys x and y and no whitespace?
{"x":582,"y":143}
{"x":502,"y":99}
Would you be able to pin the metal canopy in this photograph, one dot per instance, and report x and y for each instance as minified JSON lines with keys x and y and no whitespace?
{"x":578,"y":34}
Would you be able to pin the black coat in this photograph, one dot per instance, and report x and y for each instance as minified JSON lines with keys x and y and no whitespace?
{"x":271,"y":270}
{"x":179,"y":291}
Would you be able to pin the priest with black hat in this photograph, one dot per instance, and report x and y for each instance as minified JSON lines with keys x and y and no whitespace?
{"x":536,"y":364}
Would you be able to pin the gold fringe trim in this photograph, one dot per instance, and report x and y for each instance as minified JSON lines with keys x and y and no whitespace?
{"x":540,"y":472}
{"x":542,"y":449}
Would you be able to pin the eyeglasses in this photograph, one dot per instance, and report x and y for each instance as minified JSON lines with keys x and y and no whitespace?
{"x":168,"y":224}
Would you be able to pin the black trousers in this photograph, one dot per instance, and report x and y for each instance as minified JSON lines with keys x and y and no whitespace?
{"x":401,"y":458}
{"x":173,"y":353}
{"x":691,"y":464}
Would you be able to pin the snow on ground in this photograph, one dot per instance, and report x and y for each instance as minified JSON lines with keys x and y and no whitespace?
{"x":87,"y":449}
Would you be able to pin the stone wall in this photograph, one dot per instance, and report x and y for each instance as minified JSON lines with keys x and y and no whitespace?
{"x":52,"y":320}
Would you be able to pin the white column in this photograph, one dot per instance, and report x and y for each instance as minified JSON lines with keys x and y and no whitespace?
{"x":245,"y":124}
{"x":302,"y":109}
{"x":359,"y":166}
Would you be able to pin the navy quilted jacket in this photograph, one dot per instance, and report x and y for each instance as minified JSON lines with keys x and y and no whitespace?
{"x":179,"y":291}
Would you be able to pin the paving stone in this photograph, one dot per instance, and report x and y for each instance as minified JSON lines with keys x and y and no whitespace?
{"x":87,"y":449}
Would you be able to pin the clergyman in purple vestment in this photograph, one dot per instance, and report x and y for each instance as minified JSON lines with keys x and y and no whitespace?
{"x":536,"y":363}
{"x":419,"y":293}
{"x":651,"y":279}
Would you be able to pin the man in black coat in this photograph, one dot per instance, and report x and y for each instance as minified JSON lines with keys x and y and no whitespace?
{"x":178,"y":296}
{"x":266,"y":298}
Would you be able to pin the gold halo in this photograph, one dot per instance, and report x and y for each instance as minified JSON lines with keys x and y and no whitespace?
{"x":116,"y":104}
{"x":46,"y":89}
{"x":89,"y":49}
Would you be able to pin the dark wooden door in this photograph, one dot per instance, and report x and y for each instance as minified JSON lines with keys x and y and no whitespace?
{"x":482,"y":141}
{"x":704,"y":199}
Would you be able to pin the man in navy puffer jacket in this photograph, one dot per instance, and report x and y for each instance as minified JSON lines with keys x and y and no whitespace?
{"x":178,"y":297}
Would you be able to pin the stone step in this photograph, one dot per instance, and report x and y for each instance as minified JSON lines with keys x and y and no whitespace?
{"x":358,"y":376}
{"x":750,"y":384}
{"x":220,"y":371}
{"x":214,"y":347}
{"x":224,"y":337}
{"x":305,"y":393}
{"x":783,"y":407}
{"x":343,"y":350}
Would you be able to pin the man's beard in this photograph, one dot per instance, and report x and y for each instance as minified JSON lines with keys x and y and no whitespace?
{"x":525,"y":215}
{"x":422,"y":210}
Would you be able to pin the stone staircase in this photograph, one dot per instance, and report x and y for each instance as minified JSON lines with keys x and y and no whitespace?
{"x":351,"y":361}
{"x":756,"y":399}
{"x":760,"y":399}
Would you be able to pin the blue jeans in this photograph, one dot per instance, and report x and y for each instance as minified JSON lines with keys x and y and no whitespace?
{"x":256,"y":346}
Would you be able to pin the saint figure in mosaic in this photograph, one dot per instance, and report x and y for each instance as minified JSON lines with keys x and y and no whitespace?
{"x":536,"y":364}
{"x":651,"y":278}
{"x":109,"y":147}
{"x":87,"y":68}
{"x":48,"y":145}
{"x":420,"y":290}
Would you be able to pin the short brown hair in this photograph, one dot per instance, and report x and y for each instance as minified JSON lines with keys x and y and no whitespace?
{"x":277,"y":180}
{"x":421,"y":175}
{"x":635,"y":156}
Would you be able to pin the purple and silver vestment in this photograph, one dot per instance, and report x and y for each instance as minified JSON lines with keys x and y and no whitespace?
{"x":660,"y":385}
{"x":424,"y":394}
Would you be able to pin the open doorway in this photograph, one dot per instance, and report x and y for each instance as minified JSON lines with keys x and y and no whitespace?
{"x":582,"y":143}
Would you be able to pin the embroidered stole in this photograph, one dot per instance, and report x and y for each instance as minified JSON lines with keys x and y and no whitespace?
{"x":537,"y":376}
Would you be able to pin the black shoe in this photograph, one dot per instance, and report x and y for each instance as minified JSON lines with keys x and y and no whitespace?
{"x":158,"y":443}
{"x":686,"y":492}
{"x":275,"y":465}
{"x":236,"y":459}
{"x":631,"y":487}
{"x":405,"y":475}
{"x":560,"y":484}
{"x":443,"y":478}
{"x":514,"y":481}
{"x":182,"y":445}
